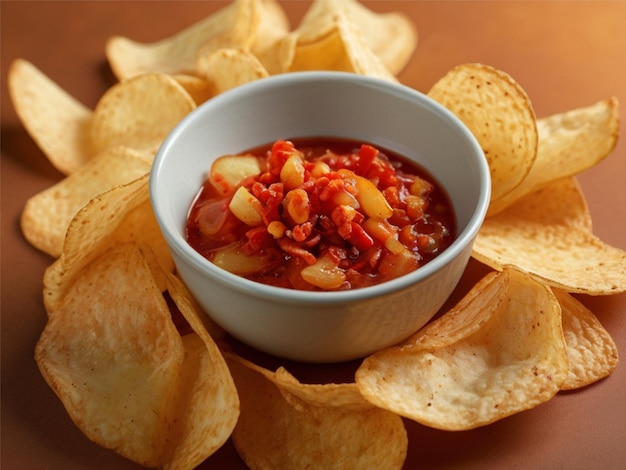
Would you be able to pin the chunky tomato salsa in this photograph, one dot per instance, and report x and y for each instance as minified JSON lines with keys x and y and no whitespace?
{"x":319,"y":214}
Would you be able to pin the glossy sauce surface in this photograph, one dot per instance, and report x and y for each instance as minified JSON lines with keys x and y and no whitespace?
{"x":338,"y":215}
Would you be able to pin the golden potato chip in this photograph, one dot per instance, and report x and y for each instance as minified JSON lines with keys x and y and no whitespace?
{"x":277,"y":429}
{"x":390,"y":36}
{"x":129,"y":381}
{"x":591,"y":352}
{"x":340,"y":395}
{"x":278,"y":59}
{"x":207,"y":403}
{"x":117,"y":216}
{"x":342,"y":49}
{"x":273,"y":27}
{"x":327,"y":53}
{"x":199,"y":89}
{"x":228,"y":68}
{"x":263,"y":43}
{"x":233,"y":25}
{"x":499,"y":352}
{"x":320,"y":19}
{"x":199,"y":321}
{"x":547,"y":233}
{"x":139,"y":112}
{"x":569,"y":143}
{"x":113,"y":356}
{"x":498,"y":112}
{"x":56,"y":121}
{"x":46,"y":215}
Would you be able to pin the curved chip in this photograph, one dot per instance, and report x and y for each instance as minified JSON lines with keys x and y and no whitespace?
{"x":117,"y":216}
{"x":56,"y":121}
{"x":548,"y":234}
{"x":341,"y":395}
{"x":591,"y":352}
{"x":272,"y":29}
{"x":391,"y":36}
{"x":569,"y":143}
{"x":278,"y":58}
{"x":233,"y":25}
{"x":207,"y":402}
{"x":228,"y":68}
{"x":343,"y":49}
{"x":498,"y":112}
{"x":199,"y":321}
{"x":139,"y":112}
{"x":127,"y":378}
{"x":199,"y":89}
{"x":279,"y":429}
{"x":113,"y":356}
{"x":499,"y":352}
{"x":47,"y":215}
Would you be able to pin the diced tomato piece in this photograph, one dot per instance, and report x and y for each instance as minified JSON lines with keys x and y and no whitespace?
{"x":366,"y":156}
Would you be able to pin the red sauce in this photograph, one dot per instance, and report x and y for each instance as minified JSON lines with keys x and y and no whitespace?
{"x":315,"y":211}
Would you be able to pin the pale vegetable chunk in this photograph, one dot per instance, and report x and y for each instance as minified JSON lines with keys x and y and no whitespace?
{"x":371,"y":200}
{"x":246,"y":207}
{"x":232,"y":259}
{"x":228,"y":171}
{"x":324,"y":273}
{"x":292,"y":172}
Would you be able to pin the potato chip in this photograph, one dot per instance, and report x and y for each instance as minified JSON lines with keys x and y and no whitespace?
{"x":199,"y":321}
{"x":207,"y":403}
{"x":46,"y":216}
{"x":591,"y":352}
{"x":113,"y":356}
{"x":569,"y":143}
{"x":278,"y":59}
{"x":278,"y":429}
{"x":139,"y":112}
{"x":499,"y":352}
{"x":547,"y":233}
{"x":128,"y":380}
{"x":390,"y":36}
{"x":56,"y":121}
{"x":340,"y":395}
{"x":199,"y":89}
{"x":117,"y":216}
{"x":273,"y":27}
{"x":234,"y":25}
{"x":228,"y":68}
{"x":498,"y":112}
{"x":342,"y":49}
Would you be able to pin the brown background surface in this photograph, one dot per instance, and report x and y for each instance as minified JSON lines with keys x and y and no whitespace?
{"x":565,"y":54}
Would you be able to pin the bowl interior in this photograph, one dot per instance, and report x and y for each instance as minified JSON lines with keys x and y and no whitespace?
{"x":320,"y":104}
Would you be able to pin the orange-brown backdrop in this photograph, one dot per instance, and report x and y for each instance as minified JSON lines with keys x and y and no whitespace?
{"x":565,"y":54}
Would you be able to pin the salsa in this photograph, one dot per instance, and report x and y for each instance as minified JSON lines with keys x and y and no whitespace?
{"x":319,"y":214}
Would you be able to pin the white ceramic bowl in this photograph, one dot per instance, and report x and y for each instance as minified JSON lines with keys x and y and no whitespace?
{"x":321,"y":326}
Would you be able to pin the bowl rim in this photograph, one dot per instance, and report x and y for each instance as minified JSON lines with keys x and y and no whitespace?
{"x":177,"y":242}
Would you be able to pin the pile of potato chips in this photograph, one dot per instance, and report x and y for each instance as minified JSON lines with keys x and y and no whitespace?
{"x":141,"y":370}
